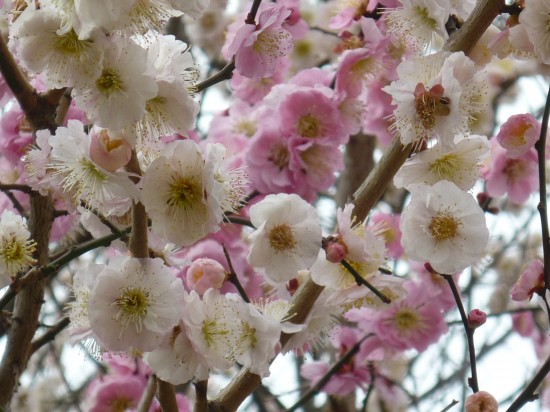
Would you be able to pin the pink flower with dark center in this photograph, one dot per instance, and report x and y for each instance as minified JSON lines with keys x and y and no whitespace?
{"x":262,"y":48}
{"x":518,"y":177}
{"x":412,"y":322}
{"x":311,"y":114}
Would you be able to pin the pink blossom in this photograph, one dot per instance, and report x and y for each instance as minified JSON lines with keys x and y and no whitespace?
{"x":481,"y":402}
{"x":311,"y":114}
{"x":389,"y":226}
{"x":517,"y":177}
{"x":357,"y":68}
{"x":531,"y":281}
{"x":350,"y":376}
{"x":107,"y":151}
{"x":15,"y":135}
{"x":312,"y":77}
{"x":476,"y":318}
{"x":5,"y":92}
{"x":413,"y":322}
{"x":115,"y":392}
{"x":260,"y":49}
{"x":252,"y":90}
{"x":519,"y":134}
{"x":204,"y":274}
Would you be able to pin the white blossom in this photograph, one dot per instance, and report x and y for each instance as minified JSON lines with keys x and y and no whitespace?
{"x":287,"y":238}
{"x":16,"y":247}
{"x":534,"y":18}
{"x":134,"y":304}
{"x":176,"y":194}
{"x":460,"y":164}
{"x":444,"y":226}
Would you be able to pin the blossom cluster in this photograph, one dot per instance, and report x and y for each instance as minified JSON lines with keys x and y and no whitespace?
{"x":232,"y":228}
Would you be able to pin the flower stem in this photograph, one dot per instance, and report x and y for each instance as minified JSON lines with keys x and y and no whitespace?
{"x":362,"y":281}
{"x":469,"y":333}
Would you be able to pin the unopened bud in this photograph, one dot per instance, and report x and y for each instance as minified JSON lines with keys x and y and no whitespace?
{"x":476,"y":318}
{"x":481,"y":402}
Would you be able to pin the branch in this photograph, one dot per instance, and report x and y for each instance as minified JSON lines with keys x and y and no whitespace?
{"x":223,"y":74}
{"x":362,"y":281}
{"x":326,"y":377}
{"x":139,"y":246}
{"x":233,"y":278}
{"x":201,"y":401}
{"x":469,"y":333}
{"x":50,"y":334}
{"x":166,"y":395}
{"x":542,"y":206}
{"x":148,"y":394}
{"x":528,"y":394}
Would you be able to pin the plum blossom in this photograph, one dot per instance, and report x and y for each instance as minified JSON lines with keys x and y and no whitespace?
{"x":260,"y":49}
{"x":412,"y":322}
{"x":436,"y":96}
{"x":205,"y":273}
{"x":134,"y":303}
{"x":363,"y":249}
{"x":519,"y":134}
{"x":177,"y":188}
{"x":59,"y":55}
{"x":118,"y":95}
{"x":518,"y":177}
{"x":16,"y":247}
{"x":444,"y":226}
{"x":460,"y":164}
{"x":534,"y":18}
{"x":420,"y":23}
{"x":530,"y":282}
{"x":287,"y":238}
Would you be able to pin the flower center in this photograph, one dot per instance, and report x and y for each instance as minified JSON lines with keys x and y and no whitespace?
{"x":303,"y":48}
{"x":406,"y":319}
{"x":444,"y":226}
{"x":121,"y":404}
{"x":184,"y":191}
{"x":430,"y":103}
{"x":423,"y":17}
{"x":444,"y":167}
{"x":515,"y":169}
{"x":212,"y":331}
{"x":309,"y":126}
{"x":245,"y":127}
{"x":281,"y":238}
{"x":69,"y":43}
{"x":132,"y":305}
{"x":109,"y":81}
{"x":279,"y":156}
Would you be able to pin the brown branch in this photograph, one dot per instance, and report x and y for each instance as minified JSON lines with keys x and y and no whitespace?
{"x":166,"y":395}
{"x":148,"y":394}
{"x":50,"y":334}
{"x":139,"y":246}
{"x":201,"y":401}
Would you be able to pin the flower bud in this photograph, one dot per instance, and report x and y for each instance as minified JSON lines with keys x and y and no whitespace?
{"x":110,"y":154}
{"x":476,"y":318}
{"x":336,"y":252}
{"x":205,"y":273}
{"x":481,"y":402}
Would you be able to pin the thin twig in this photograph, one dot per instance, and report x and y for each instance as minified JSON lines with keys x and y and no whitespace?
{"x":233,"y":278}
{"x":148,"y":394}
{"x":528,"y":394}
{"x":50,"y":334}
{"x":330,"y":373}
{"x":239,"y":220}
{"x":449,"y":406}
{"x":542,"y":206}
{"x":14,"y":186}
{"x":223,"y":74}
{"x":469,"y":333}
{"x":362,"y":281}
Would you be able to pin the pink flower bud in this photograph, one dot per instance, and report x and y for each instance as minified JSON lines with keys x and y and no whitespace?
{"x":336,"y":252}
{"x":481,"y":402}
{"x":519,"y":134}
{"x":110,"y":154}
{"x":476,"y":318}
{"x":205,"y":273}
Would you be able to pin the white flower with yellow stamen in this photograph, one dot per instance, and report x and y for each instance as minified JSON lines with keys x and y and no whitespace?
{"x":436,"y":96}
{"x":15,"y":246}
{"x":460,"y":164}
{"x":58,"y":55}
{"x":176,"y":194}
{"x":134,"y":304}
{"x":287,"y":238}
{"x":117,"y":97}
{"x":444,"y":226}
